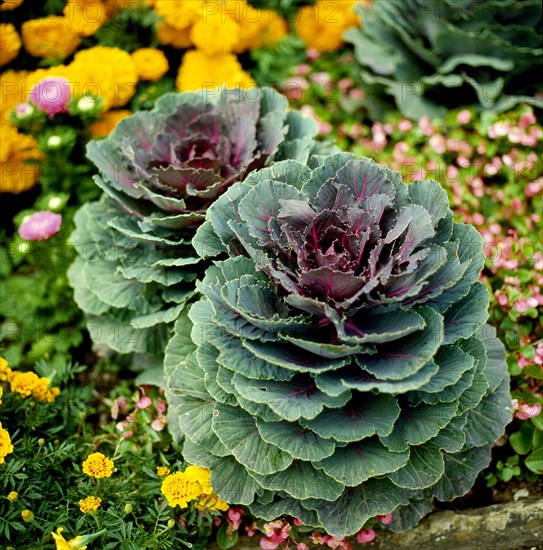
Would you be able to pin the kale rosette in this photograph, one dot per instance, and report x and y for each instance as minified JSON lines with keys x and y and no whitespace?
{"x":338,"y":365}
{"x":160,"y":170}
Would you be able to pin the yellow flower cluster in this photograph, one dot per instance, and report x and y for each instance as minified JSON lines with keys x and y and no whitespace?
{"x":85,"y":16}
{"x":10,"y":43}
{"x":218,"y":30}
{"x":194,"y":483}
{"x":162,"y":471}
{"x":90,"y":503}
{"x":30,"y":384}
{"x":10,"y":4}
{"x":5,"y":444}
{"x":108,"y":72}
{"x":18,"y":153}
{"x":97,"y":465}
{"x":51,"y":37}
{"x":200,"y":70}
{"x":151,"y":64}
{"x":322,"y":25}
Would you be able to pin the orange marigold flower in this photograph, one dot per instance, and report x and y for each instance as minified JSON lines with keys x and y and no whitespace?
{"x":211,"y":502}
{"x":85,"y":16}
{"x":199,"y":70}
{"x":89,"y":503}
{"x":10,"y":4}
{"x":97,"y":465}
{"x":180,"y":489}
{"x":50,"y":36}
{"x":10,"y":43}
{"x":23,"y":382}
{"x":151,"y":64}
{"x":170,"y":36}
{"x":17,"y":172}
{"x":5,"y":444}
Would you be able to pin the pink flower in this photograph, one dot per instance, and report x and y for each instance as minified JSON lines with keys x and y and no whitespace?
{"x":463,"y":117}
{"x":22,"y":110}
{"x":302,"y":546}
{"x":40,"y":226}
{"x":364,"y":536}
{"x":143,"y":402}
{"x":158,"y":424}
{"x":51,"y":94}
{"x":267,"y":544}
{"x":523,"y":411}
{"x":387,"y":518}
{"x":234,"y":515}
{"x":161,"y":406}
{"x":334,"y":542}
{"x":297,"y":522}
{"x":404,"y":125}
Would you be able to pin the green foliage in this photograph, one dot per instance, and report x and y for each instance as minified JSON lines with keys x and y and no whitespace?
{"x":327,"y":378}
{"x":287,"y":8}
{"x":51,"y":440}
{"x":430,"y":56}
{"x":130,"y":29}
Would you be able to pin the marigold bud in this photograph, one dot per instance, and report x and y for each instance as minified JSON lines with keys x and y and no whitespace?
{"x":128,"y":508}
{"x":171,"y":523}
{"x":27,"y":516}
{"x":13,"y":496}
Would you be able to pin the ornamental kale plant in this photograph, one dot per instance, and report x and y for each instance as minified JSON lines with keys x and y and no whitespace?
{"x":160,"y":170}
{"x":341,"y":367}
{"x":427,"y":56}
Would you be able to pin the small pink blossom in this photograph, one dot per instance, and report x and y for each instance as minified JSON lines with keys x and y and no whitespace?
{"x":312,"y":54}
{"x":51,"y":94}
{"x":523,"y":411}
{"x":22,"y":110}
{"x":364,"y":536}
{"x":297,"y":522}
{"x":234,"y":515}
{"x":267,"y":544}
{"x":143,"y":402}
{"x":463,"y":117}
{"x":303,"y":69}
{"x":302,"y":546}
{"x":158,"y":424}
{"x":387,"y":518}
{"x":404,"y":125}
{"x":40,"y":226}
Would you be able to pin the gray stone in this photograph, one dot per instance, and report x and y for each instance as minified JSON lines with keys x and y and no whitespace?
{"x":511,"y":526}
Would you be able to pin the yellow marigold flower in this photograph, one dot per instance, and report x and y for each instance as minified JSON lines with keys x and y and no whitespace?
{"x":13,"y":496}
{"x":179,"y":489}
{"x":199,"y":70}
{"x":1,"y":392}
{"x":16,"y":174}
{"x":162,"y":471}
{"x":179,"y":13}
{"x":10,"y":4}
{"x":200,"y":475}
{"x":251,"y":21}
{"x":89,"y":503}
{"x":107,"y":72}
{"x":78,"y":543}
{"x":85,"y":16}
{"x":10,"y":43}
{"x":42,"y":391}
{"x":23,"y":382}
{"x":322,"y":26}
{"x":4,"y":369}
{"x":13,"y":90}
{"x":215,"y":34}
{"x":170,"y":36}
{"x":5,"y":444}
{"x":274,"y":32}
{"x":97,"y":465}
{"x":211,"y":502}
{"x":50,"y":36}
{"x":107,"y":122}
{"x":27,"y":516}
{"x":151,"y":64}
